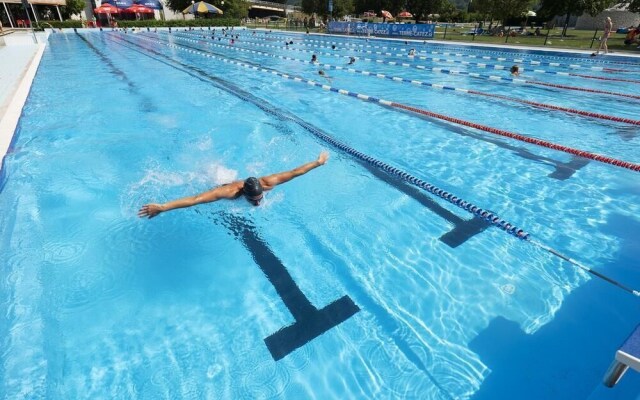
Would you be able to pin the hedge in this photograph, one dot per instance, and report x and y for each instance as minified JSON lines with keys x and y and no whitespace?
{"x":70,"y":23}
{"x":177,"y":22}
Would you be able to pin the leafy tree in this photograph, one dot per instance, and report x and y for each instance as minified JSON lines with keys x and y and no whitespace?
{"x":236,"y":8}
{"x":422,"y":8}
{"x":342,"y":8}
{"x":505,"y":9}
{"x":72,"y":7}
{"x":448,"y":11}
{"x":634,"y":6}
{"x":550,"y":8}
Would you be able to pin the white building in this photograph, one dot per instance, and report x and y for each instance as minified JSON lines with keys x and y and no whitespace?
{"x":620,"y":16}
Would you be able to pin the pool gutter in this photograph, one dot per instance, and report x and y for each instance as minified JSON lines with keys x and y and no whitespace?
{"x":9,"y":118}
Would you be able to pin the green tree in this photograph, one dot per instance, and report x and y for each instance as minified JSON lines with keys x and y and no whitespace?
{"x":634,"y":6}
{"x":72,"y":7}
{"x":448,"y":12}
{"x":342,"y":8}
{"x":505,"y":9}
{"x":422,"y":8}
{"x":236,"y":8}
{"x":551,"y":8}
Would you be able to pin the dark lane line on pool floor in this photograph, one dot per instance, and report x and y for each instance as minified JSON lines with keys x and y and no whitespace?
{"x":146,"y":102}
{"x":463,"y":229}
{"x":500,"y":99}
{"x":563,"y":170}
{"x":489,"y":216}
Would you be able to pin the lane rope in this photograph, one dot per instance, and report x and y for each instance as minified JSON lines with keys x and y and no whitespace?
{"x":502,"y":59}
{"x":582,"y":113}
{"x":488,"y":216}
{"x":492,"y":78}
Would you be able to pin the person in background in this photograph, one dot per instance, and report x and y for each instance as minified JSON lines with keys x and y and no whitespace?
{"x":608,"y":25}
{"x":251,"y":188}
{"x":632,"y":36}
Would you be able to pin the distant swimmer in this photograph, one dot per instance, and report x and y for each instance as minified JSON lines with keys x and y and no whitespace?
{"x":515,"y":70}
{"x":251,"y":188}
{"x":324,"y":75}
{"x":352,"y":60}
{"x":314,"y":58}
{"x":412,"y":52}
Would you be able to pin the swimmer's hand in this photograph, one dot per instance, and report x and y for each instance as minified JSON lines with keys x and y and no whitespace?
{"x":323,"y":157}
{"x":150,"y":210}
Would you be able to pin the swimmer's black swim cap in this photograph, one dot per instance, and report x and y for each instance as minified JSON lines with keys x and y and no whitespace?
{"x":252,"y":187}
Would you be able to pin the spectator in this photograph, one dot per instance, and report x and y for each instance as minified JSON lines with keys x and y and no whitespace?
{"x":605,"y":35}
{"x":632,"y":36}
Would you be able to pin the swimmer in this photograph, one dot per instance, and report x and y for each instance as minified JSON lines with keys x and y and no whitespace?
{"x":412,"y":52}
{"x":515,"y":70}
{"x":352,"y":60}
{"x":314,"y":58}
{"x":324,"y":75}
{"x":251,"y":188}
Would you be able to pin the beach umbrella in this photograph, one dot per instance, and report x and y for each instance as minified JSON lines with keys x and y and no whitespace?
{"x":138,"y":9}
{"x":202,"y":8}
{"x":405,"y":14}
{"x":527,"y":15}
{"x":386,"y":14}
{"x":106,"y":8}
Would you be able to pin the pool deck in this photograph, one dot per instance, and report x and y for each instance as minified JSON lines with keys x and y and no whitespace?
{"x":20,"y":57}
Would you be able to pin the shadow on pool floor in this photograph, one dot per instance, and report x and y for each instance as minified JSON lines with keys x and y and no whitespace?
{"x":567,"y":358}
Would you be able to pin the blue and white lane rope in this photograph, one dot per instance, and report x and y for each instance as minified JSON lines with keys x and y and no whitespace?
{"x":251,"y":40}
{"x":492,"y":77}
{"x":419,"y":111}
{"x":358,"y":47}
{"x":586,"y":114}
{"x":488,"y":216}
{"x":470,"y":48}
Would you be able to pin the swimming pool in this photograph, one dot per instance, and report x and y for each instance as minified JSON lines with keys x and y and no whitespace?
{"x":349,"y":282}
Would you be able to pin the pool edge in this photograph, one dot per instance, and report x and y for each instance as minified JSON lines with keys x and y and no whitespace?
{"x":9,"y":121}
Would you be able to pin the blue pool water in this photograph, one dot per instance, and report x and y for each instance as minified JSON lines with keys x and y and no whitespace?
{"x":347,"y":282}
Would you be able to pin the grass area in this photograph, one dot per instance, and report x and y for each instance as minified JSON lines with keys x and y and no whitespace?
{"x":575,"y":39}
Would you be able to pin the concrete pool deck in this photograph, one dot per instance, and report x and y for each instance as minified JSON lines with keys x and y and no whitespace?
{"x":20,"y":57}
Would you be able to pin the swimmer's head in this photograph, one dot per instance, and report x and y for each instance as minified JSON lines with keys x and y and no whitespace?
{"x":252,"y":190}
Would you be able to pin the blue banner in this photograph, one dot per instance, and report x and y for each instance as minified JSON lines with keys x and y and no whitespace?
{"x":423,"y":31}
{"x":154,"y":4}
{"x":119,"y":3}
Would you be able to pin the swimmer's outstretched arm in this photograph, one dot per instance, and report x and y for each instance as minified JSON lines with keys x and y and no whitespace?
{"x":229,"y":191}
{"x":268,"y":182}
